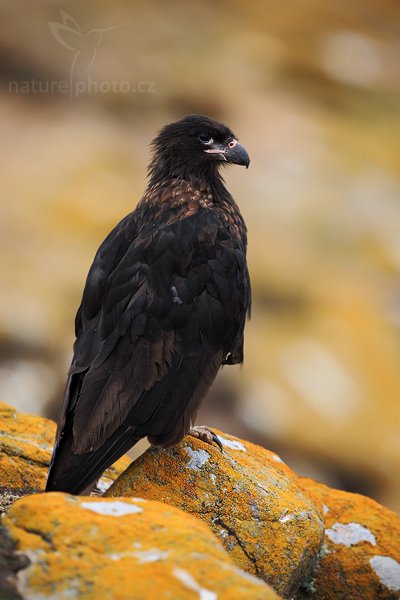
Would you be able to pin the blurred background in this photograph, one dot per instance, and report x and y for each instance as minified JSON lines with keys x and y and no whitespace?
{"x":312,"y":89}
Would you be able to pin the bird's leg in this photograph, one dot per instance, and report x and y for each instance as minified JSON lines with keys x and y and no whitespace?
{"x":205,"y":435}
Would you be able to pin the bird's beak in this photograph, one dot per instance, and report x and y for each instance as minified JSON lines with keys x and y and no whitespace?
{"x":232,"y":152}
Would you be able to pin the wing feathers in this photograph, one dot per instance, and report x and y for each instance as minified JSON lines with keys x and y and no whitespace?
{"x":161,"y":310}
{"x":106,"y":398}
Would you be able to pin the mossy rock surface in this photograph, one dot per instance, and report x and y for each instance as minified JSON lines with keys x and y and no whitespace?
{"x":117,"y":549}
{"x":360,"y":556}
{"x":246,"y":495}
{"x":26,"y":444}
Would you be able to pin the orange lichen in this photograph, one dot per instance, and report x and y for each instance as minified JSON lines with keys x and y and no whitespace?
{"x":122,"y":549}
{"x":26,"y":443}
{"x":248,"y":497}
{"x":360,"y":536}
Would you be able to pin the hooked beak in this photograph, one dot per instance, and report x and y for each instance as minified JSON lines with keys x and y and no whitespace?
{"x":232,"y":152}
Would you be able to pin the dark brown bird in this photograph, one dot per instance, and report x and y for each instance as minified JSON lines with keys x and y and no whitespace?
{"x":164,"y":306}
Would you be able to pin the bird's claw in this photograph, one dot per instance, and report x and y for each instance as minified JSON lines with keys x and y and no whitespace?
{"x":205,"y":435}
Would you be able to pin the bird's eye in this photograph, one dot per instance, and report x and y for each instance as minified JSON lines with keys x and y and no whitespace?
{"x":205,"y":138}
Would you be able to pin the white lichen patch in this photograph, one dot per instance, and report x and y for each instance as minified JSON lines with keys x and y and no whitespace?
{"x":37,"y":558}
{"x":255,"y":511}
{"x":244,"y":574}
{"x":232,"y":444}
{"x":388,"y":571}
{"x":277,"y":458}
{"x":213,"y":477}
{"x":349,"y":534}
{"x":187,"y":580}
{"x":324,"y":551}
{"x":103,"y":484}
{"x":143,"y":556}
{"x":112,"y":509}
{"x":198,"y":458}
{"x":198,"y":555}
{"x":153,"y":555}
{"x":118,"y":555}
{"x":325,"y":509}
{"x":31,"y":440}
{"x":286,"y":518}
{"x":38,"y":562}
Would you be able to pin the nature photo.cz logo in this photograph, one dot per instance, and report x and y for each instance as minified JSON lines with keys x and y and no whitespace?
{"x":83,"y":44}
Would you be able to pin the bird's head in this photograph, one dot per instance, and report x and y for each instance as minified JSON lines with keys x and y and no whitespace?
{"x":196,"y":145}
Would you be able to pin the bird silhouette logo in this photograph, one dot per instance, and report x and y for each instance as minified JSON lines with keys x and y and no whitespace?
{"x":84,"y":44}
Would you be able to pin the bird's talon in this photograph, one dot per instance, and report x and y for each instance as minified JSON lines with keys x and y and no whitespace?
{"x":205,"y":435}
{"x":217,"y":441}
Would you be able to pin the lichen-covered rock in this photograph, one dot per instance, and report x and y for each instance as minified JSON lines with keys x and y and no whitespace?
{"x":26,"y":443}
{"x":248,"y":497}
{"x":360,"y":557}
{"x":116,"y":549}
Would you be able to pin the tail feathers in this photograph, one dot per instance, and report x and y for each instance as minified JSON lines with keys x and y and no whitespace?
{"x":75,"y":473}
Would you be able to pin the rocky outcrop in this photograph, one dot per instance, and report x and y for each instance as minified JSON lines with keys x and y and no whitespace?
{"x":189,"y":521}
{"x":26,"y":443}
{"x":117,"y":549}
{"x":360,"y":556}
{"x":246,"y":495}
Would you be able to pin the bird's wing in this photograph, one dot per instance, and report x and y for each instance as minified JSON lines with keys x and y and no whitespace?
{"x":109,"y":254}
{"x":162,"y":308}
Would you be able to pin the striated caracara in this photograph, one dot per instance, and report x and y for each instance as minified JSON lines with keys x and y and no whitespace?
{"x":164,"y":306}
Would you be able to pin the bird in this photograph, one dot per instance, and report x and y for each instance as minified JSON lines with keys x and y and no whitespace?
{"x":163,"y":309}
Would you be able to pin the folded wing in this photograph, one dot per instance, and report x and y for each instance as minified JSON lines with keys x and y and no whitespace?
{"x":163,"y":307}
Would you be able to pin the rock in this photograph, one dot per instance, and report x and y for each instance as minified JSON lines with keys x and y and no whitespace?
{"x":360,"y":557}
{"x":269,"y":521}
{"x":121,"y":549}
{"x":10,"y":563}
{"x":248,"y":497}
{"x":26,"y":443}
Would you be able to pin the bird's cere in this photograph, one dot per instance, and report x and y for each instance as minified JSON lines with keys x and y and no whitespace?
{"x":222,"y":150}
{"x":112,"y":509}
{"x":215,"y":151}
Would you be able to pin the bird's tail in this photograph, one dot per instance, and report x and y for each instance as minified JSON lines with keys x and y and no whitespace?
{"x":75,"y":473}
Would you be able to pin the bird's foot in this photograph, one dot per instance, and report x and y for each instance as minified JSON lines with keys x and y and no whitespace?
{"x":205,"y":435}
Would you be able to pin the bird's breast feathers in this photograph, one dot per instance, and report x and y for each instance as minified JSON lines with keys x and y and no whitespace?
{"x":175,"y":200}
